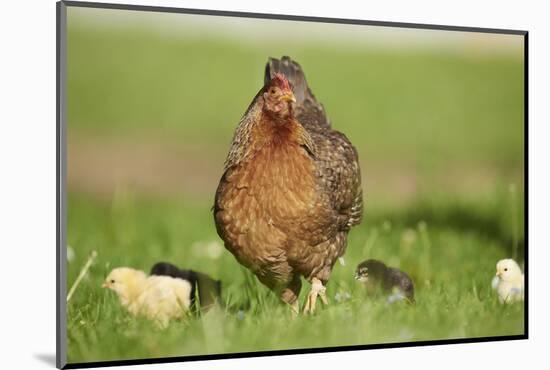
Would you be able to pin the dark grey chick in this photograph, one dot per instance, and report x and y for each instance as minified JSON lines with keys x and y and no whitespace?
{"x":390,"y":281}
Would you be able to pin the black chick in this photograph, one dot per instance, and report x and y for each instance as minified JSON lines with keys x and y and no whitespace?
{"x":209,"y":290}
{"x":377,"y":276}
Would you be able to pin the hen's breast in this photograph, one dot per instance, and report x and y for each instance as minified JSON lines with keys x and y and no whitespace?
{"x":265,"y":200}
{"x":281,"y":180}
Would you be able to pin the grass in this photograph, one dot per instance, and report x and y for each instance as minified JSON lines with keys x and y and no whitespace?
{"x":445,"y":128}
{"x":452,"y":268}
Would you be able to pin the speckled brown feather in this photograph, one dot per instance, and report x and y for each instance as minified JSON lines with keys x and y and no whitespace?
{"x":290,"y":191}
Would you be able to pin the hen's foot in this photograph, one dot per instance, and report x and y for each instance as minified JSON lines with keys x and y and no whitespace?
{"x":317,"y":289}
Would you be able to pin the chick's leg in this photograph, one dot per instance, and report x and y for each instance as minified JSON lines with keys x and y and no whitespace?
{"x":317,"y":289}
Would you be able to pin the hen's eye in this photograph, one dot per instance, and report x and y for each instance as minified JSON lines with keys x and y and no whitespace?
{"x":272,"y":91}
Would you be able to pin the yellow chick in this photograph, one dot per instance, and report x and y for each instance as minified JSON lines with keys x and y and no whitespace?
{"x":509,"y":281}
{"x":159,"y":298}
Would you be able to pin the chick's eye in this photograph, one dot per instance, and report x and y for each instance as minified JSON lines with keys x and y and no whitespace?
{"x":112,"y":281}
{"x":506,"y":269}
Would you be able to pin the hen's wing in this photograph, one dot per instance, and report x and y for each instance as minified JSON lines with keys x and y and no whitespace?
{"x":336,"y":157}
{"x":339,"y":171}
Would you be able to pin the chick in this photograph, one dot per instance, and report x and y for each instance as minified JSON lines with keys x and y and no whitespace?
{"x":209,"y":290}
{"x":159,"y":298}
{"x":509,"y":281}
{"x":378,"y":277}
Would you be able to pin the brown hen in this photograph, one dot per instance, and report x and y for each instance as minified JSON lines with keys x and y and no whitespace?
{"x":291,"y":188}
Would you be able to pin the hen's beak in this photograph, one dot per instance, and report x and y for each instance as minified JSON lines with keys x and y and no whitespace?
{"x":288,"y":97}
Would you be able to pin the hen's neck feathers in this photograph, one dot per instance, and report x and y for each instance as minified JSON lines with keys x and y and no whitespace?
{"x":258,"y":129}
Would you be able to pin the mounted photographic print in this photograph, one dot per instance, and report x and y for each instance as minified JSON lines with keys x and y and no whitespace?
{"x":236,"y":184}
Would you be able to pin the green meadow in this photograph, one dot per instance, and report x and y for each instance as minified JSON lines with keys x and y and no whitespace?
{"x":150,"y":118}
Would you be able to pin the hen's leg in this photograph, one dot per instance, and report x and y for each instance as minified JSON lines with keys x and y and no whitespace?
{"x":291,"y":292}
{"x":317,"y":289}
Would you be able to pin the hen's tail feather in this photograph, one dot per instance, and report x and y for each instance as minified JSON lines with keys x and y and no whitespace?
{"x":307,"y":106}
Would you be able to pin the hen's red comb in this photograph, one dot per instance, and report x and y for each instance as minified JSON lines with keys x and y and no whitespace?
{"x":281,"y":81}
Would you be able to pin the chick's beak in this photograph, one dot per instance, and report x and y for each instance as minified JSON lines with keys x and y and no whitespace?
{"x":104,"y":285}
{"x":288,"y":97}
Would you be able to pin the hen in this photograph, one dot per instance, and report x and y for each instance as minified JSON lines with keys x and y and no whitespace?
{"x":291,"y":188}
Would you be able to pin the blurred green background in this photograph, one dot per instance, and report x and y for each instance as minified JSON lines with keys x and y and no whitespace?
{"x":437,"y":119}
